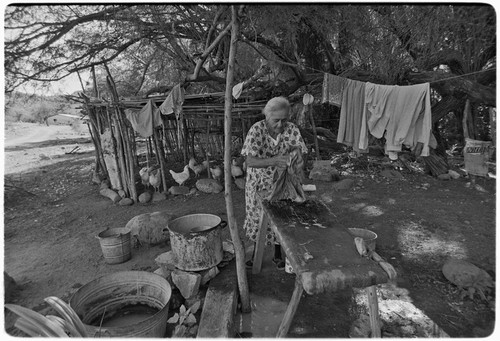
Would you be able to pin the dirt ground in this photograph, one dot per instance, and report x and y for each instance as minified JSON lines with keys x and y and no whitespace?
{"x":53,"y":212}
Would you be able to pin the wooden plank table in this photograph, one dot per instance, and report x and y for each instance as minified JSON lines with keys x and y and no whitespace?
{"x":323,"y":255}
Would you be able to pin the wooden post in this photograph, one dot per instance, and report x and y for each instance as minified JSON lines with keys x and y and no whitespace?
{"x":371,"y":292}
{"x":260,"y":244}
{"x":237,"y":243}
{"x":313,"y":124}
{"x":291,"y":309}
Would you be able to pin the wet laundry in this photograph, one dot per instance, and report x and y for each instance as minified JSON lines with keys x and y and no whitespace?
{"x":143,"y":120}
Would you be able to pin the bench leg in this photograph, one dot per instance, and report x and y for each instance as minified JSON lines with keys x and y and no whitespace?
{"x":260,"y":244}
{"x":291,"y":309}
{"x":374,"y":315}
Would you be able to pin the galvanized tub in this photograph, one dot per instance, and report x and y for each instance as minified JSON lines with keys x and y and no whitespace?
{"x":196,"y":241}
{"x":115,"y":245}
{"x":99,"y":300}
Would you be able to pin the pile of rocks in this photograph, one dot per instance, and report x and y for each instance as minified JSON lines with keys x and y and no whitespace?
{"x":189,"y":282}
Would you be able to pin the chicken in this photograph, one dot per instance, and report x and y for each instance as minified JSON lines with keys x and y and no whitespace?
{"x":181,"y":178}
{"x":216,"y":172}
{"x":205,"y":164}
{"x":192,"y":163}
{"x":236,"y":170}
{"x":144,"y":173}
{"x":197,"y":169}
{"x":155,"y":179}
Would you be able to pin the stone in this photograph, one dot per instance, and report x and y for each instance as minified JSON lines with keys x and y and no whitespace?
{"x":126,"y":202}
{"x":444,"y":176}
{"x":159,"y":196}
{"x":149,"y":227}
{"x":453,"y":174}
{"x":166,"y":261}
{"x":391,"y":174}
{"x":109,"y":193}
{"x":228,"y":246}
{"x":167,"y":274}
{"x":188,"y":283}
{"x":240,"y":183}
{"x":178,"y":190}
{"x":343,"y":184}
{"x":209,"y":186}
{"x":207,"y":275}
{"x":145,"y":197}
{"x":122,"y":193}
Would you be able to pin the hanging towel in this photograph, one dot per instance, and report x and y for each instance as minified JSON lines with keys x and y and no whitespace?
{"x":353,"y":102}
{"x":333,"y":86}
{"x":142,"y":121}
{"x":173,"y":102}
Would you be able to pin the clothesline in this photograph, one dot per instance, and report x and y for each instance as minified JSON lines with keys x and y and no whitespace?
{"x":436,"y":81}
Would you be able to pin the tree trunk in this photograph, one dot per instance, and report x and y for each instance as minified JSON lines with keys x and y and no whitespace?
{"x":238,"y":245}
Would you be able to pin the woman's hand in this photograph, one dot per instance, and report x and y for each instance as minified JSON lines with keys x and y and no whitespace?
{"x":281,"y":161}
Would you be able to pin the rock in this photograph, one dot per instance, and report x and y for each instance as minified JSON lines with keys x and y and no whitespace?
{"x":145,"y":197}
{"x":240,"y":183}
{"x":343,"y":184}
{"x":323,"y":171}
{"x":453,"y":174}
{"x":166,"y":261}
{"x":188,"y":283}
{"x":444,"y":176}
{"x":207,"y":275}
{"x":148,"y":227}
{"x":126,"y":202}
{"x":104,"y":184}
{"x":159,"y":196}
{"x":199,"y":297}
{"x":122,"y":193}
{"x":209,"y":186}
{"x":178,"y":190}
{"x":109,"y":193}
{"x":165,"y":274}
{"x":391,"y":174}
{"x":228,"y":247}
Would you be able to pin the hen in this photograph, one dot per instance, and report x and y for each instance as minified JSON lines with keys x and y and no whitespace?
{"x":155,"y":179}
{"x":180,"y":178}
{"x":144,"y":173}
{"x":197,"y":169}
{"x":236,"y":170}
{"x":192,"y":163}
{"x":216,"y":172}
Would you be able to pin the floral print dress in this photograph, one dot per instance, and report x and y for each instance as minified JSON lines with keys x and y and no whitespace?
{"x":260,"y":144}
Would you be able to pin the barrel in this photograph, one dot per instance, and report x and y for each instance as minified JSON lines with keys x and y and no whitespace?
{"x":104,"y":297}
{"x":115,"y":245}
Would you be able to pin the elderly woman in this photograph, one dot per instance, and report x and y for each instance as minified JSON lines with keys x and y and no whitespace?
{"x":267,"y":147}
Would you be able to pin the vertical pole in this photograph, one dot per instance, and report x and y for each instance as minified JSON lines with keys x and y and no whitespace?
{"x":238,"y":245}
{"x":371,"y":291}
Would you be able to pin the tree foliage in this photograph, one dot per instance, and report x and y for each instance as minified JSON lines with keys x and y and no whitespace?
{"x":157,"y":45}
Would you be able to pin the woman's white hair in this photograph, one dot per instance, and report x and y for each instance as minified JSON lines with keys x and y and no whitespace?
{"x":276,"y":103}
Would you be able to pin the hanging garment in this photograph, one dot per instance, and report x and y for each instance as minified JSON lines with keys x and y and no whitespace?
{"x":333,"y":86}
{"x":376,"y":112}
{"x":412,"y":121}
{"x":173,"y":102}
{"x":142,"y":121}
{"x":351,"y":112}
{"x":400,"y":113}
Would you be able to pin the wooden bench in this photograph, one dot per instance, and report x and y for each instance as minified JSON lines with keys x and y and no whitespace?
{"x":323,"y":255}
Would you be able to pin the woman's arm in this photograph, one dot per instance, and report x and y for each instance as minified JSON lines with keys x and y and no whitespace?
{"x":276,"y":161}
